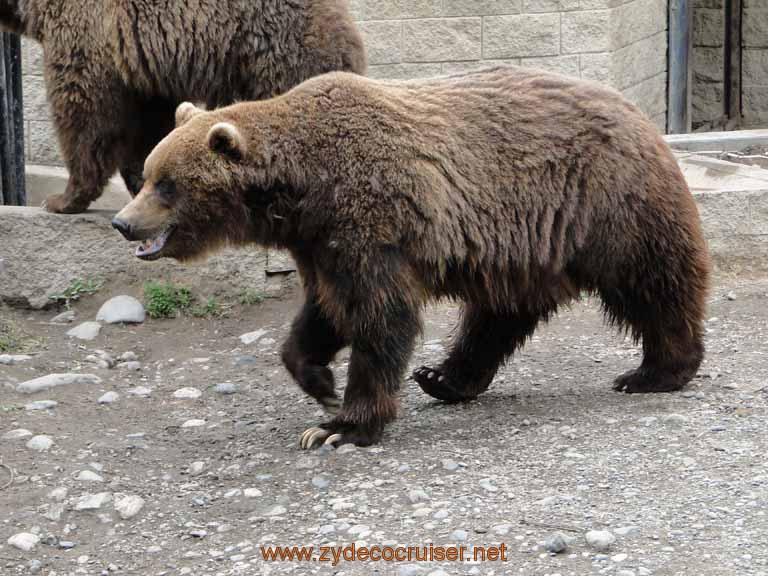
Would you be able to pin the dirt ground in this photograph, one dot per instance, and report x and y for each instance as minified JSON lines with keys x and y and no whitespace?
{"x":680,"y":480}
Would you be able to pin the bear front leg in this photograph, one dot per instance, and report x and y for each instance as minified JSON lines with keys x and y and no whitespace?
{"x":310,"y":347}
{"x":380,"y":354}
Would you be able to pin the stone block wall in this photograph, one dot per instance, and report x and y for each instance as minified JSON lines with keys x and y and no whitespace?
{"x":755,"y":63}
{"x":619,"y":42}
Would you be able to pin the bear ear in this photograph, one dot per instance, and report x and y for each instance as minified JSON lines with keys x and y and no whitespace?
{"x":224,"y":138}
{"x":185,"y":111}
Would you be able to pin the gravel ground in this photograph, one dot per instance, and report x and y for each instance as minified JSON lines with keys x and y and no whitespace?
{"x":195,"y":464}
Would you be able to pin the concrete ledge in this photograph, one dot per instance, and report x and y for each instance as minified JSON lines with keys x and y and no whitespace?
{"x":41,"y":254}
{"x":42,"y":181}
{"x":717,"y":141}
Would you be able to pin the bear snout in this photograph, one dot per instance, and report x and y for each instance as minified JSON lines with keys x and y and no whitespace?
{"x":124,"y":228}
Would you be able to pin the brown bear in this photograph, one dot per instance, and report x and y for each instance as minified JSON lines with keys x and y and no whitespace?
{"x":511,"y":190}
{"x":116,"y":70}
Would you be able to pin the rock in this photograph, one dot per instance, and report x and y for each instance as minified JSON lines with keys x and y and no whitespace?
{"x":276,"y":511}
{"x":346,"y":449}
{"x":17,"y":434}
{"x":129,"y":506}
{"x":58,"y":494}
{"x":675,"y":419}
{"x":54,"y":380}
{"x":441,"y":514}
{"x":555,"y":544}
{"x":124,"y":309}
{"x":89,"y":476}
{"x":108,"y":397}
{"x":251,"y":337}
{"x":403,"y":468}
{"x":450,"y":465}
{"x":131,"y":365}
{"x":600,"y":539}
{"x":40,"y":443}
{"x":140,"y":391}
{"x":731,"y":295}
{"x":417,"y":495}
{"x":647,"y":420}
{"x":225,"y":388}
{"x":24,"y":541}
{"x":11,"y":359}
{"x":198,"y":533}
{"x":40,"y":405}
{"x":459,"y":535}
{"x":196,"y":468}
{"x":320,"y":482}
{"x":193,"y":423}
{"x":246,"y":360}
{"x":85,"y":331}
{"x":92,"y":501}
{"x":66,"y":545}
{"x":626,"y":530}
{"x":64,"y":318}
{"x":54,"y":512}
{"x":187,"y":393}
{"x":34,"y":566}
{"x":619,"y":557}
{"x":486,"y":484}
{"x":252,"y":493}
{"x":128,"y":356}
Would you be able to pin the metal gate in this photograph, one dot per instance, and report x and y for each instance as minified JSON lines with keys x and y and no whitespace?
{"x":12,"y":190}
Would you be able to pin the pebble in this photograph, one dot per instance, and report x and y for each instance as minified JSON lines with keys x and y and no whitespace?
{"x":108,"y":397}
{"x":24,"y":541}
{"x":198,"y":533}
{"x":450,"y":465}
{"x":555,"y":544}
{"x":17,"y":434}
{"x":246,"y":360}
{"x":251,"y":337}
{"x":276,"y":511}
{"x":193,"y":423}
{"x":196,"y":468}
{"x":600,"y":539}
{"x":64,"y":318}
{"x":11,"y":359}
{"x":92,"y":501}
{"x":58,"y":494}
{"x":676,"y":419}
{"x":187,"y":393}
{"x":320,"y":482}
{"x":128,"y":356}
{"x":130,"y":365}
{"x":41,"y":443}
{"x":619,"y":557}
{"x":89,"y":476}
{"x":129,"y":506}
{"x":731,"y":296}
{"x":66,"y":545}
{"x":346,"y":449}
{"x":34,"y":566}
{"x":647,"y":420}
{"x":125,"y":309}
{"x":441,"y":514}
{"x":417,"y":495}
{"x":404,"y":468}
{"x":252,"y":493}
{"x":41,"y":405}
{"x":487,"y":484}
{"x":459,"y":535}
{"x":225,"y":388}
{"x":626,"y":530}
{"x":140,"y":391}
{"x":53,"y":380}
{"x":85,"y":331}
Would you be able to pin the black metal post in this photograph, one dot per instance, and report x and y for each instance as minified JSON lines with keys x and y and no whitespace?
{"x":12,"y":189}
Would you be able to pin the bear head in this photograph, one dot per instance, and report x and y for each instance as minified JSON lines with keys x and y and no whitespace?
{"x":193,"y":200}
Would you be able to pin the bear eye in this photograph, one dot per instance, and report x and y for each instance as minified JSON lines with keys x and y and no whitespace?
{"x":166,"y":191}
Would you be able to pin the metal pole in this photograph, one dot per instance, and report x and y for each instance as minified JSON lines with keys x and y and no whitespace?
{"x":680,"y":66}
{"x":12,"y":185}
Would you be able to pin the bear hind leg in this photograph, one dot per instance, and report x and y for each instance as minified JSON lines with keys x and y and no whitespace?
{"x":485,"y":340}
{"x":671,"y":333}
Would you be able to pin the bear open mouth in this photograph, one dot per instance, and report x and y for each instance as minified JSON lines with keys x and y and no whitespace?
{"x":152,"y":249}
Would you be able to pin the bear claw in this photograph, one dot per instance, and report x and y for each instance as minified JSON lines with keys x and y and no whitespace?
{"x":316,"y":435}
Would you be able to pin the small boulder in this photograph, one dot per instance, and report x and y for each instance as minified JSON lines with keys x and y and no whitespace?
{"x":122,"y":309}
{"x":85,"y":331}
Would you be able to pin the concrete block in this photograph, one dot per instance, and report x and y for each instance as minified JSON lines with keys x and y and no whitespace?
{"x":35,"y":99}
{"x":598,"y":67}
{"x":637,"y":20}
{"x":521,"y":36}
{"x":440,"y":39}
{"x":588,"y":31}
{"x":660,"y":120}
{"x":31,"y":57}
{"x":480,"y":7}
{"x":707,"y":102}
{"x":755,"y":100}
{"x":708,"y":27}
{"x":708,"y":64}
{"x":639,"y":61}
{"x":649,"y":95}
{"x":755,"y":27}
{"x":383,"y":41}
{"x":43,"y":143}
{"x":697,"y":4}
{"x":394,"y":9}
{"x":533,"y":6}
{"x":755,"y":66}
{"x":568,"y":65}
{"x":404,"y":71}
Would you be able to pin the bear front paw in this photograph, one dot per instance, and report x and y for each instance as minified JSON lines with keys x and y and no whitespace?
{"x":641,"y":381}
{"x":438,"y":385}
{"x":337,"y":433}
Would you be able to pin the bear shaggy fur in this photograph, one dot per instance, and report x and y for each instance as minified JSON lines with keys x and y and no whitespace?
{"x":116,"y":70}
{"x":509,"y":189}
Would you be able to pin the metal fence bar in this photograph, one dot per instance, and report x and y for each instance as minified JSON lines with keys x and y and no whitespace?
{"x":12,"y":185}
{"x":680,"y":66}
